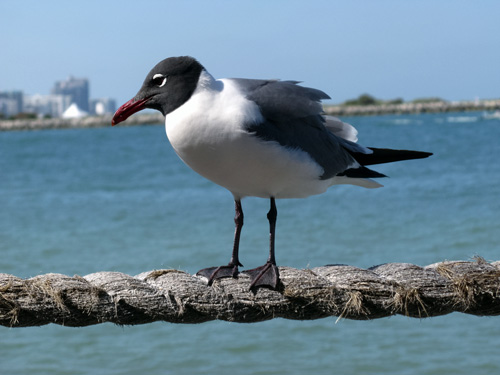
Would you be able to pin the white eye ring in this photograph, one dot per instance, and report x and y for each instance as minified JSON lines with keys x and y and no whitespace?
{"x":158,"y":75}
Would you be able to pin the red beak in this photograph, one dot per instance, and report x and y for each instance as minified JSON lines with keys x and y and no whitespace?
{"x":128,"y":109}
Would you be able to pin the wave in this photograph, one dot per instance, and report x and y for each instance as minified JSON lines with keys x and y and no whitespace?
{"x":462,"y":119}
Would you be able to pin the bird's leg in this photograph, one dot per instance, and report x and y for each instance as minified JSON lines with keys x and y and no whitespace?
{"x":231,"y":270}
{"x":238,"y":223}
{"x":268,"y":274}
{"x":272,"y":215}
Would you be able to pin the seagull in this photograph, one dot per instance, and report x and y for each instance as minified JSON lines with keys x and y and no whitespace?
{"x":257,"y":138}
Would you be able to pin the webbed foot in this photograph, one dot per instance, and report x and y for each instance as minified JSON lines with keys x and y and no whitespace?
{"x":214,"y":273}
{"x":264,"y":276}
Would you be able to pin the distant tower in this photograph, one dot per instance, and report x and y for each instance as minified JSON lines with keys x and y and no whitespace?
{"x":77,"y":89}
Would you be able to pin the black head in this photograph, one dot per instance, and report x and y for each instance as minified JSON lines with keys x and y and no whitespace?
{"x":166,"y":87}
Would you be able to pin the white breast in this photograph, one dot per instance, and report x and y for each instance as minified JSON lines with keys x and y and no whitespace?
{"x":207,"y":134}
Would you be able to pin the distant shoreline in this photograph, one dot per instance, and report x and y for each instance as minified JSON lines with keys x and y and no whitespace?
{"x":413,"y":108}
{"x":77,"y":123}
{"x":333,"y":110}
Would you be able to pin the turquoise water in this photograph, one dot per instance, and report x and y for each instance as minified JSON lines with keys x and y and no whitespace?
{"x":118,"y":199}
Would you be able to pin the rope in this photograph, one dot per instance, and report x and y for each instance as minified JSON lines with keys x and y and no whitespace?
{"x":471,"y":287}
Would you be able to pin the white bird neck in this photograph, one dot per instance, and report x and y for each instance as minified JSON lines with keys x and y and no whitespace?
{"x":208,"y":82}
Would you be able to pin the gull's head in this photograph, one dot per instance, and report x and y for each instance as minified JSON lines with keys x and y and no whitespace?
{"x":166,"y":87}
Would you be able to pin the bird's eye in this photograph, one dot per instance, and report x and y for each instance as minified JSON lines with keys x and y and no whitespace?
{"x":159,"y":80}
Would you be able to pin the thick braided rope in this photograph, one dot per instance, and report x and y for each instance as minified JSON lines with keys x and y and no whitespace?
{"x":471,"y":287}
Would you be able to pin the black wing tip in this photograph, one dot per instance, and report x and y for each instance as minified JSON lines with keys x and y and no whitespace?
{"x":425,"y":154}
{"x":387,"y":155}
{"x":409,"y":153}
{"x":380,"y":156}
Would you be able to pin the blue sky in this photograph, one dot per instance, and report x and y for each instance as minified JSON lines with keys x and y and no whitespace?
{"x":390,"y":49}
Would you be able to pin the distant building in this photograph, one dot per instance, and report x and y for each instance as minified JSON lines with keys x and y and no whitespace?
{"x":11,"y":103}
{"x":63,"y":95}
{"x":46,"y":105}
{"x":102,"y":106}
{"x":77,"y":89}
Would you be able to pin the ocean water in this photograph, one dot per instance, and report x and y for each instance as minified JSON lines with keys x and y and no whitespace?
{"x":118,"y":199}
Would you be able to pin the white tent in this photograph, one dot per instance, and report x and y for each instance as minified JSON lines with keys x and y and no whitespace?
{"x":74,"y":112}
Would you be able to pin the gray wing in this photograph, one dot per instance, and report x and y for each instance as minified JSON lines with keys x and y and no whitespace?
{"x":280,"y":100}
{"x":293,"y":117}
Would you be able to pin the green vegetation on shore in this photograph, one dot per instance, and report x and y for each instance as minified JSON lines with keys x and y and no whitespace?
{"x":20,"y":116}
{"x":367,"y":99}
